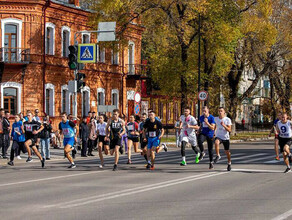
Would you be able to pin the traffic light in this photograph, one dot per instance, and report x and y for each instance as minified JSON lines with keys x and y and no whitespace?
{"x":73,"y":57}
{"x":80,"y":82}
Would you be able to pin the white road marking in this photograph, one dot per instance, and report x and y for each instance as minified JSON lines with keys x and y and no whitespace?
{"x":274,"y":161}
{"x":89,"y":200}
{"x":259,"y":171}
{"x":284,"y":215}
{"x":49,"y":178}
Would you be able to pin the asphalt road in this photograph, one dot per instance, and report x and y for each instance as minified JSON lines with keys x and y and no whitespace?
{"x":256,"y":188}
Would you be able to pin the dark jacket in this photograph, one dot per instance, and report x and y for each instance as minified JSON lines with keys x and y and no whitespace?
{"x":6,"y":125}
{"x":45,"y":133}
{"x":83,"y":131}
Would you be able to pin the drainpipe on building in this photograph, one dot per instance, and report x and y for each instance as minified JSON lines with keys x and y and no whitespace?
{"x":47,"y":4}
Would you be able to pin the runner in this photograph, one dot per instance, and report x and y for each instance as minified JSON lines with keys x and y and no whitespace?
{"x":67,"y":128}
{"x":32,"y":129}
{"x":223,"y":128}
{"x":274,"y":130}
{"x":154,"y":130}
{"x":17,"y":134}
{"x":284,"y":129}
{"x":133,"y":137}
{"x":115,"y":129}
{"x":143,"y":143}
{"x":206,"y":133}
{"x":188,"y":125}
{"x":102,"y":144}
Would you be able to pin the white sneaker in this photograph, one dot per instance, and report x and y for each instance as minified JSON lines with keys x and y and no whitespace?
{"x":18,"y":157}
{"x":101,"y":166}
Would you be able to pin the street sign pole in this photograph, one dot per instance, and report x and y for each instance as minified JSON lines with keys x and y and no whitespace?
{"x":199,"y":63}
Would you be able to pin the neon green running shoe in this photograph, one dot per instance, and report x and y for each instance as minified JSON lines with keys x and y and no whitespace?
{"x":197,"y":158}
{"x":183,"y":163}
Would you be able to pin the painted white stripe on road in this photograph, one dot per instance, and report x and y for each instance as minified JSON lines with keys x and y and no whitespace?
{"x":257,"y":171}
{"x":49,"y":178}
{"x":132,"y":191}
{"x":284,"y":215}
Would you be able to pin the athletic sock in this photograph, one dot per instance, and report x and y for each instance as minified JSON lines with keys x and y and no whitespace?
{"x":184,"y":158}
{"x":289,"y":166}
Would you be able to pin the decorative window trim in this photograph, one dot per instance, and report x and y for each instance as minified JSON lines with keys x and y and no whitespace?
{"x":85,"y":33}
{"x":51,"y":25}
{"x":85,"y":89}
{"x":11,"y":85}
{"x":65,"y":28}
{"x":131,"y":68}
{"x":65,"y":87}
{"x":116,"y":91}
{"x":51,"y":111}
{"x":102,"y":90}
{"x":16,"y":22}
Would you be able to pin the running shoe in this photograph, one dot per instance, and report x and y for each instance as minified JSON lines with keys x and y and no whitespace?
{"x":183,"y":163}
{"x":18,"y":157}
{"x":148,"y":166}
{"x":202,"y":156}
{"x":121,"y":150}
{"x":165,"y":148}
{"x":277,"y":158}
{"x":101,"y":166}
{"x":197,"y":158}
{"x":72,"y":166}
{"x":217,"y":158}
{"x":115,"y":167}
{"x":43,"y":162}
{"x":10,"y":163}
{"x":152,"y":167}
{"x":29,"y":159}
{"x":211,"y":166}
{"x":228,"y":167}
{"x":288,"y":170}
{"x":129,"y":161}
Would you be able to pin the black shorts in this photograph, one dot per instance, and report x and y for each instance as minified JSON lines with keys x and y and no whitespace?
{"x":226,"y":143}
{"x":134,"y":139}
{"x":283,"y":142}
{"x":101,"y":139}
{"x":18,"y":145}
{"x":33,"y":141}
{"x":115,"y":142}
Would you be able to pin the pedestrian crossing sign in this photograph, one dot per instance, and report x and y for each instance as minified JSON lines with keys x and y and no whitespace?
{"x":86,"y":53}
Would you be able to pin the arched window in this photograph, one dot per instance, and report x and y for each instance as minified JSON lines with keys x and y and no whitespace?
{"x":65,"y":40}
{"x":50,"y":99}
{"x":85,"y":38}
{"x":115,"y":97}
{"x":85,"y":100}
{"x":50,"y":38}
{"x":100,"y":96}
{"x":11,"y":97}
{"x":65,"y":107}
{"x":131,"y":57}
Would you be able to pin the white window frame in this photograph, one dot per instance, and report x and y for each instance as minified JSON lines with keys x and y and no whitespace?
{"x":101,"y":59}
{"x":16,"y":22}
{"x":16,"y":86}
{"x":65,"y":87}
{"x":85,"y":33}
{"x":115,"y":91}
{"x":115,"y":57}
{"x":131,"y":69}
{"x":101,"y":90}
{"x":65,"y":28}
{"x":52,"y":49}
{"x":87,"y":107}
{"x":51,"y":111}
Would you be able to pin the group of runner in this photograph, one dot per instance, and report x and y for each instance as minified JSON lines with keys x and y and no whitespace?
{"x":148,"y":131}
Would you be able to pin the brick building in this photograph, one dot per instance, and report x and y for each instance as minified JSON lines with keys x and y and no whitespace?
{"x":35,"y":35}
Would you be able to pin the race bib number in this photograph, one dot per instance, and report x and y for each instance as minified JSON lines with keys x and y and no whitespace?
{"x":130,"y":127}
{"x":152,"y":133}
{"x":28,"y":127}
{"x":66,"y":131}
{"x":16,"y":129}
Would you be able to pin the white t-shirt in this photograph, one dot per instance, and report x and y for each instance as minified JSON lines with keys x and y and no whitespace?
{"x":285,"y":129}
{"x":101,"y":128}
{"x":190,"y":120}
{"x":221,"y":132}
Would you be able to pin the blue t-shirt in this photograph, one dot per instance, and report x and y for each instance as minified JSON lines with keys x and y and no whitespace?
{"x":67,"y":129}
{"x":205,"y":129}
{"x":16,"y":126}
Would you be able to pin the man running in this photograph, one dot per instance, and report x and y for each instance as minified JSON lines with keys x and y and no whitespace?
{"x":274,"y":130}
{"x":143,"y":143}
{"x":133,"y":137}
{"x":188,"y":125}
{"x":284,"y":129}
{"x":115,"y":129}
{"x":32,"y":129}
{"x":67,"y":128}
{"x":207,"y":126}
{"x":223,"y":128}
{"x":154,"y":130}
